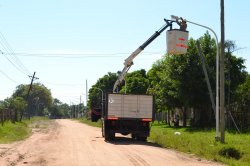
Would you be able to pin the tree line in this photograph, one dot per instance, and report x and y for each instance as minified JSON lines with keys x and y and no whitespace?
{"x":38,"y":103}
{"x":179,"y":86}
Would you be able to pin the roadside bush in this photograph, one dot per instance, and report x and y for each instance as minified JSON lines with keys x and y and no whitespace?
{"x":230,"y":152}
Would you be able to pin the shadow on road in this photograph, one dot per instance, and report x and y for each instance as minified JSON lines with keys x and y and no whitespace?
{"x":130,"y":141}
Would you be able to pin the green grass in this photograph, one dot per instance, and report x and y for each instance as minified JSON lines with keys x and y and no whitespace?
{"x":10,"y":132}
{"x":94,"y":124}
{"x":201,"y":142}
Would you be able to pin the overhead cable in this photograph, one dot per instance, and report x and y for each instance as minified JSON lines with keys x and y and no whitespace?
{"x":8,"y":77}
{"x":79,"y":55}
{"x":12,"y":58}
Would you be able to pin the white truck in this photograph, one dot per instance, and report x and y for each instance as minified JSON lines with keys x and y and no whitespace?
{"x":127,"y":113}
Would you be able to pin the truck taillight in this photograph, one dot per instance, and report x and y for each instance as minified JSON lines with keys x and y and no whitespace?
{"x":147,"y":120}
{"x":112,"y":118}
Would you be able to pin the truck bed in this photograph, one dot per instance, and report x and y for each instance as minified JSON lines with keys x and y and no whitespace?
{"x":130,"y":106}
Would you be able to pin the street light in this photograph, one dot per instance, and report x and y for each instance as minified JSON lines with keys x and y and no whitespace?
{"x":217,"y":71}
{"x":102,"y":96}
{"x":99,"y":90}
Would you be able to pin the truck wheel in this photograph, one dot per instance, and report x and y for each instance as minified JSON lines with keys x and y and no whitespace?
{"x":106,"y":135}
{"x":103,"y":129}
{"x":111,"y":136}
{"x":106,"y":131}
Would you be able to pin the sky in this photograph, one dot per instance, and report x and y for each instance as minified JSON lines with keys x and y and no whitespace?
{"x":67,"y":42}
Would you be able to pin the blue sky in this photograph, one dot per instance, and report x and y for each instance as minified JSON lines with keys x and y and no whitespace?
{"x":77,"y":37}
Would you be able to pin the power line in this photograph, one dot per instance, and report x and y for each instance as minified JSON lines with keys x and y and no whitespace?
{"x":58,"y":84}
{"x":13,"y":63}
{"x":11,"y":50}
{"x":18,"y":64}
{"x":8,"y":77}
{"x":107,"y":53}
{"x":13,"y":59}
{"x":79,"y":55}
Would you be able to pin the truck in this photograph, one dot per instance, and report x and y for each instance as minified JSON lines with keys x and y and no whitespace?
{"x":127,"y":114}
{"x":130,"y":113}
{"x":95,"y":114}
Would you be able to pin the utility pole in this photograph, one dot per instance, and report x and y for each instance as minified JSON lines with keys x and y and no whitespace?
{"x":222,"y":76}
{"x":206,"y":75}
{"x":27,"y":97}
{"x":71,"y":111}
{"x":86,"y":92}
{"x":80,"y":106}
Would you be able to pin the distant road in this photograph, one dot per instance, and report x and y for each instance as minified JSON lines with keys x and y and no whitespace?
{"x":69,"y":143}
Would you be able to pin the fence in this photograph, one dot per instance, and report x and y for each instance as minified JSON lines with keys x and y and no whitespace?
{"x":165,"y":117}
{"x":171,"y":116}
{"x":239,"y":118}
{"x":161,"y":117}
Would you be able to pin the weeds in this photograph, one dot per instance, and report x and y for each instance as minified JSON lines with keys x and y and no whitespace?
{"x":10,"y":132}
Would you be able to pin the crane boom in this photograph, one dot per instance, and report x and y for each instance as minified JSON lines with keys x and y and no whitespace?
{"x":129,"y":61}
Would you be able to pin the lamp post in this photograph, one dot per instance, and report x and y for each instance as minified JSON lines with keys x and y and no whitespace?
{"x":102,"y":96}
{"x":217,"y":72}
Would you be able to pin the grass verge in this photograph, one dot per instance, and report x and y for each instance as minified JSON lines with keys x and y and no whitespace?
{"x":10,"y":132}
{"x":94,"y":124}
{"x":201,"y":142}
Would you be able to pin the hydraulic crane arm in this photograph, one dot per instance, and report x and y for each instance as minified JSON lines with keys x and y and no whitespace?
{"x":129,"y":61}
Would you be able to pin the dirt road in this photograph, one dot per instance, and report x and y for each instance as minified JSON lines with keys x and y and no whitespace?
{"x":69,"y":143}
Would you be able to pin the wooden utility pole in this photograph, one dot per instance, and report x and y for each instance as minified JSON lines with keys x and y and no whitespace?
{"x":222,"y":75}
{"x":27,"y":97}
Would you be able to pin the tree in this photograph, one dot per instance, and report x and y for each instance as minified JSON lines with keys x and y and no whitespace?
{"x":39,"y":95}
{"x":241,"y":104}
{"x":19,"y":105}
{"x":2,"y":105}
{"x":235,"y":73}
{"x":179,"y":82}
{"x":106,"y":85}
{"x":136,"y":82}
{"x":160,"y":87}
{"x":243,"y":94}
{"x":59,"y":109}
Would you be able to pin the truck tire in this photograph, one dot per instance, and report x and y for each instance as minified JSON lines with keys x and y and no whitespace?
{"x":106,"y":131}
{"x":103,"y":134}
{"x":111,"y":136}
{"x":106,"y":135}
